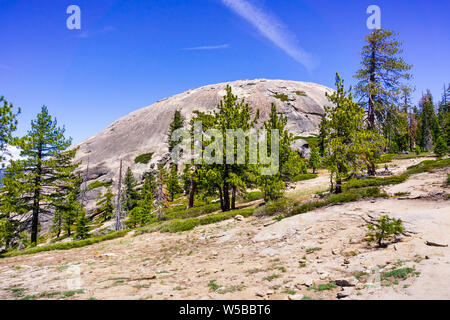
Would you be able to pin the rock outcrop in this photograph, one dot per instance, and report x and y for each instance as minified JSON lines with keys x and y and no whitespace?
{"x":145,"y":131}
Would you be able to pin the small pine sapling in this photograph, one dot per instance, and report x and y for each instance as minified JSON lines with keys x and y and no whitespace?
{"x":385,"y":228}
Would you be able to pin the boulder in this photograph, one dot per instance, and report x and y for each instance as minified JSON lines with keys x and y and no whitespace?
{"x":296,"y":296}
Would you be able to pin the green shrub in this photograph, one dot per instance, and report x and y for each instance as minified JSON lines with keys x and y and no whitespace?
{"x":98,"y":184}
{"x":312,"y":141}
{"x":252,"y":196}
{"x":180,"y":212}
{"x":373,"y":182}
{"x":428,"y":165}
{"x":274,"y":207}
{"x":347,"y":196}
{"x":283,"y":97}
{"x":144,"y":158}
{"x":402,"y":273}
{"x":302,"y":177}
{"x":323,"y":287}
{"x":67,"y":245}
{"x":384,"y":229}
{"x":301,"y":93}
{"x":180,"y":225}
{"x":440,"y":147}
{"x":417,"y":150}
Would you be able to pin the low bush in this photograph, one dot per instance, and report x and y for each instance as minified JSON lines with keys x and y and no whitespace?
{"x":331,"y":199}
{"x":283,"y":97}
{"x":180,"y":212}
{"x":274,"y":207}
{"x":428,"y":165}
{"x":178,"y":225}
{"x":144,"y":158}
{"x":373,"y":182}
{"x":98,"y":184}
{"x":252,"y":196}
{"x":302,"y":177}
{"x":67,"y":245}
{"x":312,"y":141}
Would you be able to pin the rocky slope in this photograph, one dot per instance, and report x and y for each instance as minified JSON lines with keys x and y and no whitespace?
{"x":145,"y":130}
{"x":259,"y":258}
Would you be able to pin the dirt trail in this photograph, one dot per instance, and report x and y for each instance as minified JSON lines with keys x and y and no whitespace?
{"x":257,"y":258}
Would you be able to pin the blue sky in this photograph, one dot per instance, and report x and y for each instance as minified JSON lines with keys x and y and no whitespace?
{"x":129,"y":54}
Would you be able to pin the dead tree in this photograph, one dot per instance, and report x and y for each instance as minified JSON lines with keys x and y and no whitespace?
{"x":119,"y":201}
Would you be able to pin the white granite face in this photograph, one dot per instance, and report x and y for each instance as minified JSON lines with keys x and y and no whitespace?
{"x":145,"y":130}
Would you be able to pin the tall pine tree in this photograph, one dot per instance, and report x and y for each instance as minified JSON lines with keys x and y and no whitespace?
{"x":380,"y":82}
{"x":177,"y":123}
{"x":131,"y":195}
{"x":46,"y":166}
{"x":8,"y":124}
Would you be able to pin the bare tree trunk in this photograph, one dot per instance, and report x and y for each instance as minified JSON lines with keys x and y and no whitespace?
{"x":226,"y":197}
{"x":371,"y":106}
{"x":36,"y":198}
{"x":221,"y":198}
{"x":160,"y":194}
{"x":119,"y":200}
{"x":192,"y":187}
{"x":233,"y":198}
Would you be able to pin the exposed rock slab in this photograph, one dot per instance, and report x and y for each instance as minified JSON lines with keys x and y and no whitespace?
{"x":145,"y":130}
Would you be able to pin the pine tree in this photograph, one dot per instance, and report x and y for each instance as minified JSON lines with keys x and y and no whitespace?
{"x":290,"y":163}
{"x":322,"y":136}
{"x":8,"y":229}
{"x":173,"y":181}
{"x":440,"y":147}
{"x":380,"y":82}
{"x":444,"y":114}
{"x":271,"y":186}
{"x":348,"y":143}
{"x":142,"y":213}
{"x":278,"y":122}
{"x":82,"y":226}
{"x":131,"y":195}
{"x":177,"y":123}
{"x":314,"y":159}
{"x":8,"y":124}
{"x":45,"y":167}
{"x":231,"y":114}
{"x":105,"y":205}
{"x":429,"y":127}
{"x":67,"y":207}
{"x":186,"y":179}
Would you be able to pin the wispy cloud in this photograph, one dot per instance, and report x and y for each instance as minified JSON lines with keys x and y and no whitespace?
{"x":273,"y":29}
{"x":90,"y":34}
{"x":222,"y":46}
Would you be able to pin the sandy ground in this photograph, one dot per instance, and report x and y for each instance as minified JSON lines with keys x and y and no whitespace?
{"x":258,"y":258}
